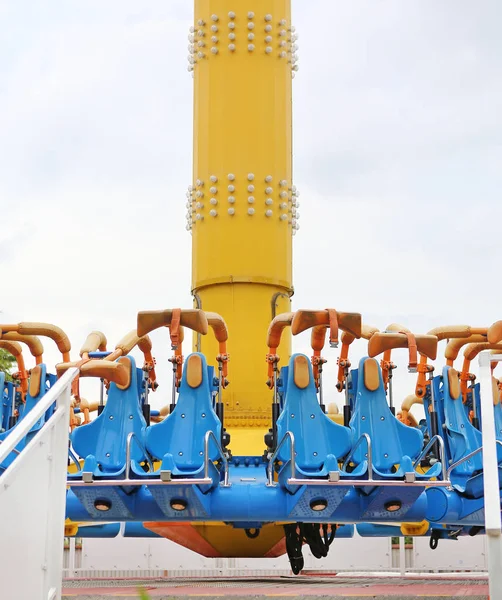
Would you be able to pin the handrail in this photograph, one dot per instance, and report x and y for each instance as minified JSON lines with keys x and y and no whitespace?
{"x":132,"y":436}
{"x":75,"y":460}
{"x":366,"y":437}
{"x":33,"y":416}
{"x":270,"y":467}
{"x":438,"y":438}
{"x":15,"y":450}
{"x":207,"y":437}
{"x":467,"y":457}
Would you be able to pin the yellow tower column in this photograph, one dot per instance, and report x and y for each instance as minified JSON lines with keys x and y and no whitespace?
{"x":242,"y":203}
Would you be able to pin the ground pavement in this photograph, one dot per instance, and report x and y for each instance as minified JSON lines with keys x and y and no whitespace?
{"x":309,"y":586}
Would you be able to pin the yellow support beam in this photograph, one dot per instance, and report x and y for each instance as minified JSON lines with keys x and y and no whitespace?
{"x":242,"y":199}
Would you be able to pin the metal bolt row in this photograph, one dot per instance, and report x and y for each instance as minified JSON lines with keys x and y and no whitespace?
{"x":287,"y":45}
{"x":195,"y":197}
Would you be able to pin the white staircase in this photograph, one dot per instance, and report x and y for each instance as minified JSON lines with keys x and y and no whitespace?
{"x":32,"y":501}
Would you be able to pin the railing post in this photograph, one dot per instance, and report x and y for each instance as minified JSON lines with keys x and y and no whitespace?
{"x":402,"y":556}
{"x":491,"y":477}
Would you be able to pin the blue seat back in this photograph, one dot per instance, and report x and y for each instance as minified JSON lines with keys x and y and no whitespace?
{"x":182,"y":433}
{"x":36,"y":390}
{"x":316,"y":435}
{"x":106,"y":436}
{"x":351,"y":384}
{"x":282,"y":385}
{"x":8,"y":390}
{"x":391,"y":439}
{"x":476,"y":402}
{"x":50,"y":381}
{"x":463,"y":437}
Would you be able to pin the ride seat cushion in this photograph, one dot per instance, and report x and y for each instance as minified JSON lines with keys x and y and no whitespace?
{"x":371,"y":375}
{"x":454,"y":384}
{"x":194,"y":371}
{"x":127,"y":364}
{"x":301,"y":372}
{"x":35,"y":381}
{"x":495,"y":391}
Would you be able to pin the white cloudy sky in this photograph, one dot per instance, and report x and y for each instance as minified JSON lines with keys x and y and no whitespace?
{"x":398,"y":156}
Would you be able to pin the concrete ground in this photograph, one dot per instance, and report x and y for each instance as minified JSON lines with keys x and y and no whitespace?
{"x":313,"y":587}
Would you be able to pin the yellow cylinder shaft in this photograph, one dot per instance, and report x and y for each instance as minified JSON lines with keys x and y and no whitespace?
{"x":241,"y":212}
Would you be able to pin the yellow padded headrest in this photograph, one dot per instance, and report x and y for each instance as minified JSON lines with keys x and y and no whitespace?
{"x":194,"y":371}
{"x":47,"y":330}
{"x":193,"y":318}
{"x":301,"y":374}
{"x":275,"y":328}
{"x":218,"y":325}
{"x":305,"y":319}
{"x":119,"y":372}
{"x":495,"y":332}
{"x":380,"y":342}
{"x":35,"y":382}
{"x":371,"y":374}
{"x":454,"y":384}
{"x":12,"y":347}
{"x":96,"y":340}
{"x":453,"y":347}
{"x":32,"y":341}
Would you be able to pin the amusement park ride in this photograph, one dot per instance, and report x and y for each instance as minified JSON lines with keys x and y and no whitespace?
{"x":247,"y":459}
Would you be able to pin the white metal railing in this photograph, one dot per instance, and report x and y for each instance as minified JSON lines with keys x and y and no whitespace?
{"x":33,"y":499}
{"x":491,"y":488}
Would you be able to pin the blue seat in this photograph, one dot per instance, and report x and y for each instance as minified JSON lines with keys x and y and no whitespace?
{"x":3,"y":400}
{"x":463,"y":438}
{"x":102,"y":442}
{"x":319,"y":442}
{"x":36,"y":389}
{"x":178,"y":441}
{"x":8,"y":389}
{"x":393,"y":442}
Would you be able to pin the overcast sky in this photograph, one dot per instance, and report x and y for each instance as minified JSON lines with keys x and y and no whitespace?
{"x":397,"y":154}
